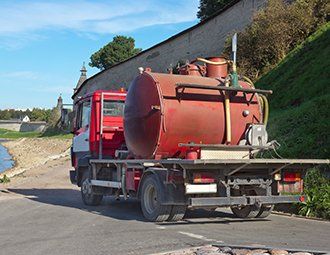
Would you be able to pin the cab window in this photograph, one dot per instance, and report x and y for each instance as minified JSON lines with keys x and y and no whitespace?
{"x":113,"y":108}
{"x":84,"y":114}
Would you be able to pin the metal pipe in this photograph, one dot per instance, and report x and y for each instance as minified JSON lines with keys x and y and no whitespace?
{"x":227,"y":112}
{"x":123,"y":181}
{"x":223,"y":88}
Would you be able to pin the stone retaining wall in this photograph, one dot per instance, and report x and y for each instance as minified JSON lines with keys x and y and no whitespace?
{"x":202,"y":40}
{"x":23,"y":126}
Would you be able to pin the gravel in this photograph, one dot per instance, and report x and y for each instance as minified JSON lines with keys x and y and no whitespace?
{"x":215,"y":250}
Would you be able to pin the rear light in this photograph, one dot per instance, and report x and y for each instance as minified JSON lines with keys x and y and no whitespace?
{"x":291,"y":177}
{"x":122,"y":90}
{"x":277,"y":177}
{"x":302,"y":199}
{"x":203,"y":178}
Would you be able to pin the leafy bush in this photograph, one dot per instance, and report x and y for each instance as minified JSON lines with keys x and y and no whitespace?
{"x":4,"y":179}
{"x":317,"y":190}
{"x":274,"y":31}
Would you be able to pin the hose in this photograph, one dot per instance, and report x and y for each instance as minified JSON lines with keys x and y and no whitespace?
{"x":266,"y":109}
{"x":212,"y":62}
{"x":248,"y":80}
{"x":264,"y":101}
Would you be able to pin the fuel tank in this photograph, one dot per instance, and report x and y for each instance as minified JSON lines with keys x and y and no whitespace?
{"x":159,"y":115}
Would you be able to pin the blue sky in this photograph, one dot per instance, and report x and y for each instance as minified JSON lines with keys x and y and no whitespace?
{"x":43,"y":43}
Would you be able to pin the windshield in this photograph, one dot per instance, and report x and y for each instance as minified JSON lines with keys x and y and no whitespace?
{"x":113,"y":108}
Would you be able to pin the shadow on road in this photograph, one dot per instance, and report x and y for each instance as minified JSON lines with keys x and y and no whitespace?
{"x":122,"y":210}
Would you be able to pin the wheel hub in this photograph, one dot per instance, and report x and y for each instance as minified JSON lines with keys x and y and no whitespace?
{"x":86,"y":187}
{"x":150,"y":198}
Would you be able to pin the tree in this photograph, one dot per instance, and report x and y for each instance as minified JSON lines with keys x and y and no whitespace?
{"x":118,"y":50}
{"x":208,"y":7}
{"x":274,"y":32}
{"x":54,"y":117}
{"x":37,"y":114}
{"x":5,"y":115}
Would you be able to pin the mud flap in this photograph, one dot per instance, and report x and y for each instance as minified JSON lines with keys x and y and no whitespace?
{"x":172,"y":194}
{"x":73,"y":177}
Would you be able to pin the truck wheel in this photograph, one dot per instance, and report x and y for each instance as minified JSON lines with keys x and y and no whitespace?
{"x":151,"y":206}
{"x":177,"y":213}
{"x":265,"y":211}
{"x":87,"y":194}
{"x":245,"y":211}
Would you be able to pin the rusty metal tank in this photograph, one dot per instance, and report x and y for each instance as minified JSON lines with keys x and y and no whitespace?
{"x":159,"y":115}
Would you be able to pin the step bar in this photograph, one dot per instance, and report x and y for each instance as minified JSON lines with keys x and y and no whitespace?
{"x":243,"y":200}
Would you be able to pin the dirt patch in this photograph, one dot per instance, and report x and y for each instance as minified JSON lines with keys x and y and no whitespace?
{"x":30,"y":153}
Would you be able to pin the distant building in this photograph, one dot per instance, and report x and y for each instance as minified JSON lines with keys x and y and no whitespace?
{"x":64,"y":110}
{"x":59,"y":105}
{"x":26,"y":119}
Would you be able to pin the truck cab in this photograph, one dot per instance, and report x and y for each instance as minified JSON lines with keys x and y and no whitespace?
{"x":98,"y":129}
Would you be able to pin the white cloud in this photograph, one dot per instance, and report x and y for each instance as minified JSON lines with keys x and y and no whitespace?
{"x":99,"y":17}
{"x":26,"y":75}
{"x":66,"y":90}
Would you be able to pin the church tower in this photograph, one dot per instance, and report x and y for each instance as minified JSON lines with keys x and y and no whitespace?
{"x":59,"y":102}
{"x":82,"y":78}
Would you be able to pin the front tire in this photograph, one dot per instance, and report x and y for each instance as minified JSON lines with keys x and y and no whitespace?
{"x":151,"y":206}
{"x":87,"y":194}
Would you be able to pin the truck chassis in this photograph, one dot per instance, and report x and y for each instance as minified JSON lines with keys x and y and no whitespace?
{"x":246,"y":185}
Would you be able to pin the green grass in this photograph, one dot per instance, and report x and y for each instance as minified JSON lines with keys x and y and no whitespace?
{"x":4,"y":133}
{"x":300,"y":106}
{"x":56,"y":133}
{"x":50,"y":132}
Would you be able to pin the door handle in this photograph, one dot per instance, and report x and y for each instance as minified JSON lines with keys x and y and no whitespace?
{"x":86,"y":140}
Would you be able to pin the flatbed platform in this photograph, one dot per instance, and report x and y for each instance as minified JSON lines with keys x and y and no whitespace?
{"x":231,"y":165}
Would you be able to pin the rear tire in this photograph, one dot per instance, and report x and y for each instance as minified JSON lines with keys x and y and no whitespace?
{"x":177,"y":213}
{"x":245,"y":211}
{"x":265,"y":211}
{"x":87,"y":194}
{"x":151,"y":206}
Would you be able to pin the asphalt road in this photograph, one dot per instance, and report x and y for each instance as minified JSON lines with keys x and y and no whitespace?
{"x":44,"y":214}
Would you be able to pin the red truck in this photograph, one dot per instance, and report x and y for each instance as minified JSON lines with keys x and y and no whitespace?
{"x":187,"y":140}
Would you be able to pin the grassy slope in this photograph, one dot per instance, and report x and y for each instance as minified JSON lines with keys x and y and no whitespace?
{"x":8,"y":134}
{"x":300,"y":105}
